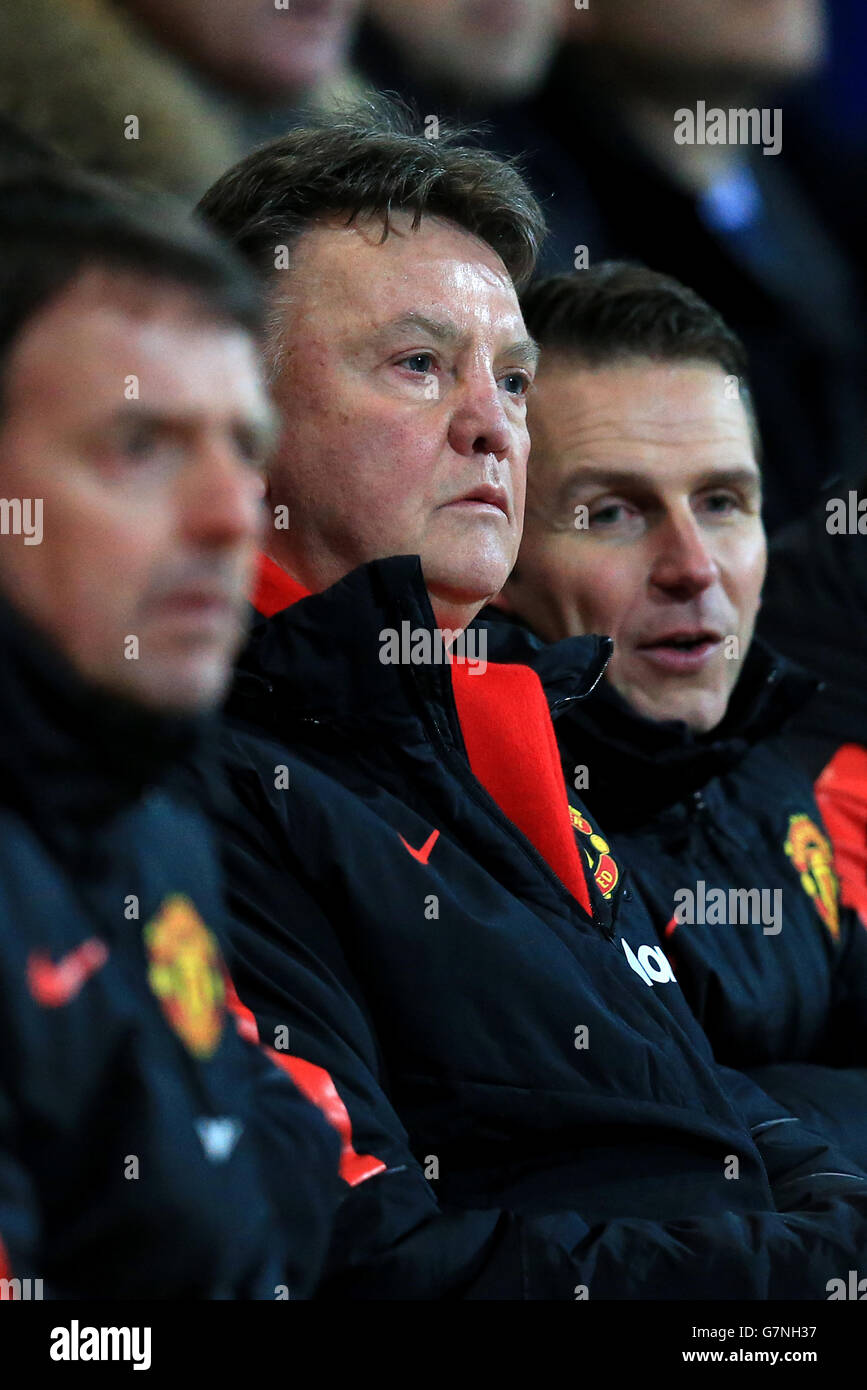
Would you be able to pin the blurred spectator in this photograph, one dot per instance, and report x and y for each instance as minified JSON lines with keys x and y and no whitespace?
{"x":263,"y":59}
{"x":20,"y":151}
{"x":836,"y":101}
{"x":464,"y":55}
{"x":165,"y":93}
{"x":278,"y":51}
{"x":72,"y":72}
{"x":736,"y":224}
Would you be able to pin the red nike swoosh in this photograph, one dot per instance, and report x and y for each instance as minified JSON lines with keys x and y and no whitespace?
{"x":54,"y":984}
{"x":423,"y":854}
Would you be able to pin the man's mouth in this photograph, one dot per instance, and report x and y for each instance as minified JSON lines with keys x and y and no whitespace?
{"x":200,"y":610}
{"x":682,"y":652}
{"x":485,"y":497}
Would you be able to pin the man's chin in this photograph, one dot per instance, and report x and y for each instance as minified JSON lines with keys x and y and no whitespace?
{"x":700,"y":709}
{"x":470,"y":575}
{"x":187,"y":688}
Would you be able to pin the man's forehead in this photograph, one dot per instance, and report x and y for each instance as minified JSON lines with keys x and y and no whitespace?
{"x":435,"y":268}
{"x":614,"y":411}
{"x":132,"y":327}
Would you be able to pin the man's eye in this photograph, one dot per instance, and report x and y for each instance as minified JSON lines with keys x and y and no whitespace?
{"x":421,"y":362}
{"x":146,"y":446}
{"x":721,"y":503}
{"x":608,"y":516}
{"x":517,"y":383}
{"x":139,"y":441}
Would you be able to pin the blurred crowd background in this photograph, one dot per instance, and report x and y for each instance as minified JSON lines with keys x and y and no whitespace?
{"x":168,"y":93}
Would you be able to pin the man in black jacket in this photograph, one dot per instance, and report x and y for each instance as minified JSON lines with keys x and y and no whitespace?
{"x":643,"y":521}
{"x":415,"y":906}
{"x":145,"y":1150}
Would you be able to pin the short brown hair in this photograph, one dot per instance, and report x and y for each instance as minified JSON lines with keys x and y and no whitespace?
{"x":373,"y":158}
{"x":618,"y":310}
{"x":55,"y":221}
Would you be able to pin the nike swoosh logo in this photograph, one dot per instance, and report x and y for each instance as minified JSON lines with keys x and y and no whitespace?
{"x":55,"y":984}
{"x":423,"y":854}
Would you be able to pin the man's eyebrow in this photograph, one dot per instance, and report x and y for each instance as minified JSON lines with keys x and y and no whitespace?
{"x":627,"y":478}
{"x":524,"y":351}
{"x":722,"y":477}
{"x":262,"y":426}
{"x":441,"y":329}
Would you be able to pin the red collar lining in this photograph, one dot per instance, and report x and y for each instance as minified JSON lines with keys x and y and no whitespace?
{"x":509,"y":738}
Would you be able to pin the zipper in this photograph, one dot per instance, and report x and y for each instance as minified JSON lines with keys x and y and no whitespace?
{"x":712,"y":828}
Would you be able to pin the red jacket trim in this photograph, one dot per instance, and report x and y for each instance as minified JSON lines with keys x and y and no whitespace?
{"x":316,"y":1084}
{"x":841,"y":793}
{"x":509,"y":739}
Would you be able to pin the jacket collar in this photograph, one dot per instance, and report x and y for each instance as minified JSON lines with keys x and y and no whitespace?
{"x":639,"y":766}
{"x":321,"y":656}
{"x":72,"y":755}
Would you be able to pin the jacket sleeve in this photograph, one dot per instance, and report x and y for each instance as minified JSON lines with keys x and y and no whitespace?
{"x":299,"y":1150}
{"x":829,"y":1100}
{"x":841,"y":794}
{"x":394,"y":1240}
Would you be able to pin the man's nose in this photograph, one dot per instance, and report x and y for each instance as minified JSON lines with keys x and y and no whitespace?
{"x":479,"y":424}
{"x":222,"y":497}
{"x":683,"y":566}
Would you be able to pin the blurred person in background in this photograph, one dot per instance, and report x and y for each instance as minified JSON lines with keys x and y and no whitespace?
{"x":262,"y":60}
{"x":166,"y":93}
{"x":732,"y":221}
{"x":468,"y":56}
{"x":482,"y":61}
{"x":146,"y":1151}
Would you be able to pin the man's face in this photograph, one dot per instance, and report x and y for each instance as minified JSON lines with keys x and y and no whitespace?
{"x":671,"y":560}
{"x":275,"y":52}
{"x":486,"y":50}
{"x":403,"y":385}
{"x":140,"y":423}
{"x":765,"y":39}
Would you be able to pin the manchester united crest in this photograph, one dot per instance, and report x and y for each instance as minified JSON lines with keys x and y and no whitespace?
{"x":185,"y":973}
{"x":811,"y":856}
{"x":602,"y":866}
